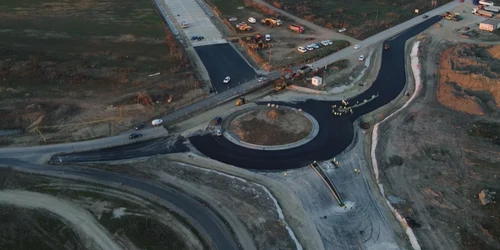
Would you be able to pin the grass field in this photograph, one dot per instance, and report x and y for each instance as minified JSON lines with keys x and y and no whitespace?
{"x":361,"y":18}
{"x":56,"y":44}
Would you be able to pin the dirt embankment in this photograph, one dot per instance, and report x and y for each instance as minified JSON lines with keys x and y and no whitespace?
{"x":470,"y":78}
{"x":270,"y":126}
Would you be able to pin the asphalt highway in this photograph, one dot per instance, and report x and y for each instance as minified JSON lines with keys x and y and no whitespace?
{"x":336,"y":132}
{"x":222,"y":60}
{"x":164,"y":145}
{"x":200,"y":214}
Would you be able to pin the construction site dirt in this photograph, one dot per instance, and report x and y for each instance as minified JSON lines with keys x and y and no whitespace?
{"x":439,"y":159}
{"x":109,"y":69}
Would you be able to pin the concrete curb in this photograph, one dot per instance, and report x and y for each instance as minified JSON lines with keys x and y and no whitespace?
{"x":314,"y":132}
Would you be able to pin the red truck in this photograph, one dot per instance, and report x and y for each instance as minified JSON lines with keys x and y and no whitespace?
{"x":296,"y":28}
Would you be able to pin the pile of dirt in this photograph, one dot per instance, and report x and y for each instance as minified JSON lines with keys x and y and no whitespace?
{"x":271,"y":126}
{"x":470,"y":79}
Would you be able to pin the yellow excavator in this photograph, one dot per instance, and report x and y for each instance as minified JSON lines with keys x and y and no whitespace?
{"x":241,"y":101}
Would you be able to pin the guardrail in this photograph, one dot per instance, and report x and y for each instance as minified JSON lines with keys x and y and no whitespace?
{"x":328,"y":182}
{"x":205,"y":8}
{"x":167,"y":19}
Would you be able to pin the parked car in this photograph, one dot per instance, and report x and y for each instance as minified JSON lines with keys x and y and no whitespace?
{"x":139,"y":126}
{"x":262,"y":79}
{"x":361,"y":57}
{"x":268,"y":37}
{"x":309,"y":47}
{"x":157,"y":122}
{"x":218,"y":132}
{"x":315,"y":46}
{"x":357,"y":46}
{"x":342,"y":30}
{"x":252,"y":20}
{"x":134,"y":136}
{"x":199,"y":38}
{"x":227,"y":80}
{"x":326,"y":42}
{"x":233,"y":19}
{"x":302,"y":49}
{"x":184,"y":24}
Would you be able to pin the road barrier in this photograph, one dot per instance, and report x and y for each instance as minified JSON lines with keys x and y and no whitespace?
{"x":328,"y":182}
{"x":167,"y":19}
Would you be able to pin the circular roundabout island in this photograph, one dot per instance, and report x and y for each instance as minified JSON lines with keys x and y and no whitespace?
{"x":271,"y":128}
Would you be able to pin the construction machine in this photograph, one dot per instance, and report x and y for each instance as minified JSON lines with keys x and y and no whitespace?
{"x":280,"y":86}
{"x":454,"y":17}
{"x":270,"y":21}
{"x":296,"y":28}
{"x":241,"y":101}
{"x":243,"y":26}
{"x":261,"y":45}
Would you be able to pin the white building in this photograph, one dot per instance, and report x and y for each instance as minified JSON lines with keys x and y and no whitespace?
{"x":489,"y":25}
{"x":317,"y":81}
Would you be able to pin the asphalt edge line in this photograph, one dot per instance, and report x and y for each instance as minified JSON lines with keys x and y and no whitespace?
{"x":415,"y":66}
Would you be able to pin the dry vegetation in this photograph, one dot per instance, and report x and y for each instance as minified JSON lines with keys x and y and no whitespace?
{"x":470,"y":79}
{"x":361,"y":18}
{"x":88,"y":58}
{"x":269,"y":126}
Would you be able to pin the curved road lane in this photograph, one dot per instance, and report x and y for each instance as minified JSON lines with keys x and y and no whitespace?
{"x":214,"y":227}
{"x":336,"y":133}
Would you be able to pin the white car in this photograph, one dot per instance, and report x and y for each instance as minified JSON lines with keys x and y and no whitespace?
{"x":218,"y":132}
{"x":268,"y":37}
{"x":227,"y":80}
{"x":326,"y":42}
{"x":302,"y":49}
{"x":233,"y":19}
{"x":342,"y":30}
{"x":361,"y":57}
{"x":157,"y":122}
{"x":252,"y":20}
{"x":262,"y":79}
{"x":316,"y":46}
{"x":357,"y":46}
{"x":309,"y":47}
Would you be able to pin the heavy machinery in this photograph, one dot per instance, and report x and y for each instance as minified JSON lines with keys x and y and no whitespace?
{"x":243,"y":26}
{"x":386,"y":46}
{"x":484,"y":13}
{"x":296,"y":28}
{"x":271,"y":21}
{"x":241,"y":101}
{"x":280,"y":86}
{"x":454,"y":17}
{"x":286,"y":73}
{"x":259,"y":45}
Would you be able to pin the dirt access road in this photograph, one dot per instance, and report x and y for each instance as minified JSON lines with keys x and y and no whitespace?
{"x":81,"y":221}
{"x":435,"y":160}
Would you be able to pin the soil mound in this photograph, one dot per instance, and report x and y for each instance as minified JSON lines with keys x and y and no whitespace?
{"x":469,"y":78}
{"x":270,"y":126}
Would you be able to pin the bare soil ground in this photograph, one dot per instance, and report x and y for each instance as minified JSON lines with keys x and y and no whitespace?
{"x":256,"y":213}
{"x":83,"y":216}
{"x":361,"y":18}
{"x":87,"y":61}
{"x":271,"y":126}
{"x":469,"y":78}
{"x":434,"y":161}
{"x":284,"y":42}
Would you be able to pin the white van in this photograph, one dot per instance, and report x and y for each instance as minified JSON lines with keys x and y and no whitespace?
{"x":157,"y":122}
{"x":268,"y":38}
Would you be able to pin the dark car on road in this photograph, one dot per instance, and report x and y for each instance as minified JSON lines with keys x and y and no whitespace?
{"x":139,"y":126}
{"x":134,"y":136}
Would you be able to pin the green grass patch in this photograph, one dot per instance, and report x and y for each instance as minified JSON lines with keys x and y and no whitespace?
{"x":34,"y":229}
{"x":228,"y":7}
{"x":144,"y":231}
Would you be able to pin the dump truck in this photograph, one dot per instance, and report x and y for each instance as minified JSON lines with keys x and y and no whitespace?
{"x":296,"y":28}
{"x":484,"y":13}
{"x":386,"y":46}
{"x":271,"y":21}
{"x":243,"y":26}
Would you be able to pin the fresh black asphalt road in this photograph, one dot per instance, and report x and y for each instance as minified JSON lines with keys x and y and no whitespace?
{"x":156,"y":146}
{"x":222,"y":60}
{"x":336,"y":132}
{"x":211,"y":223}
